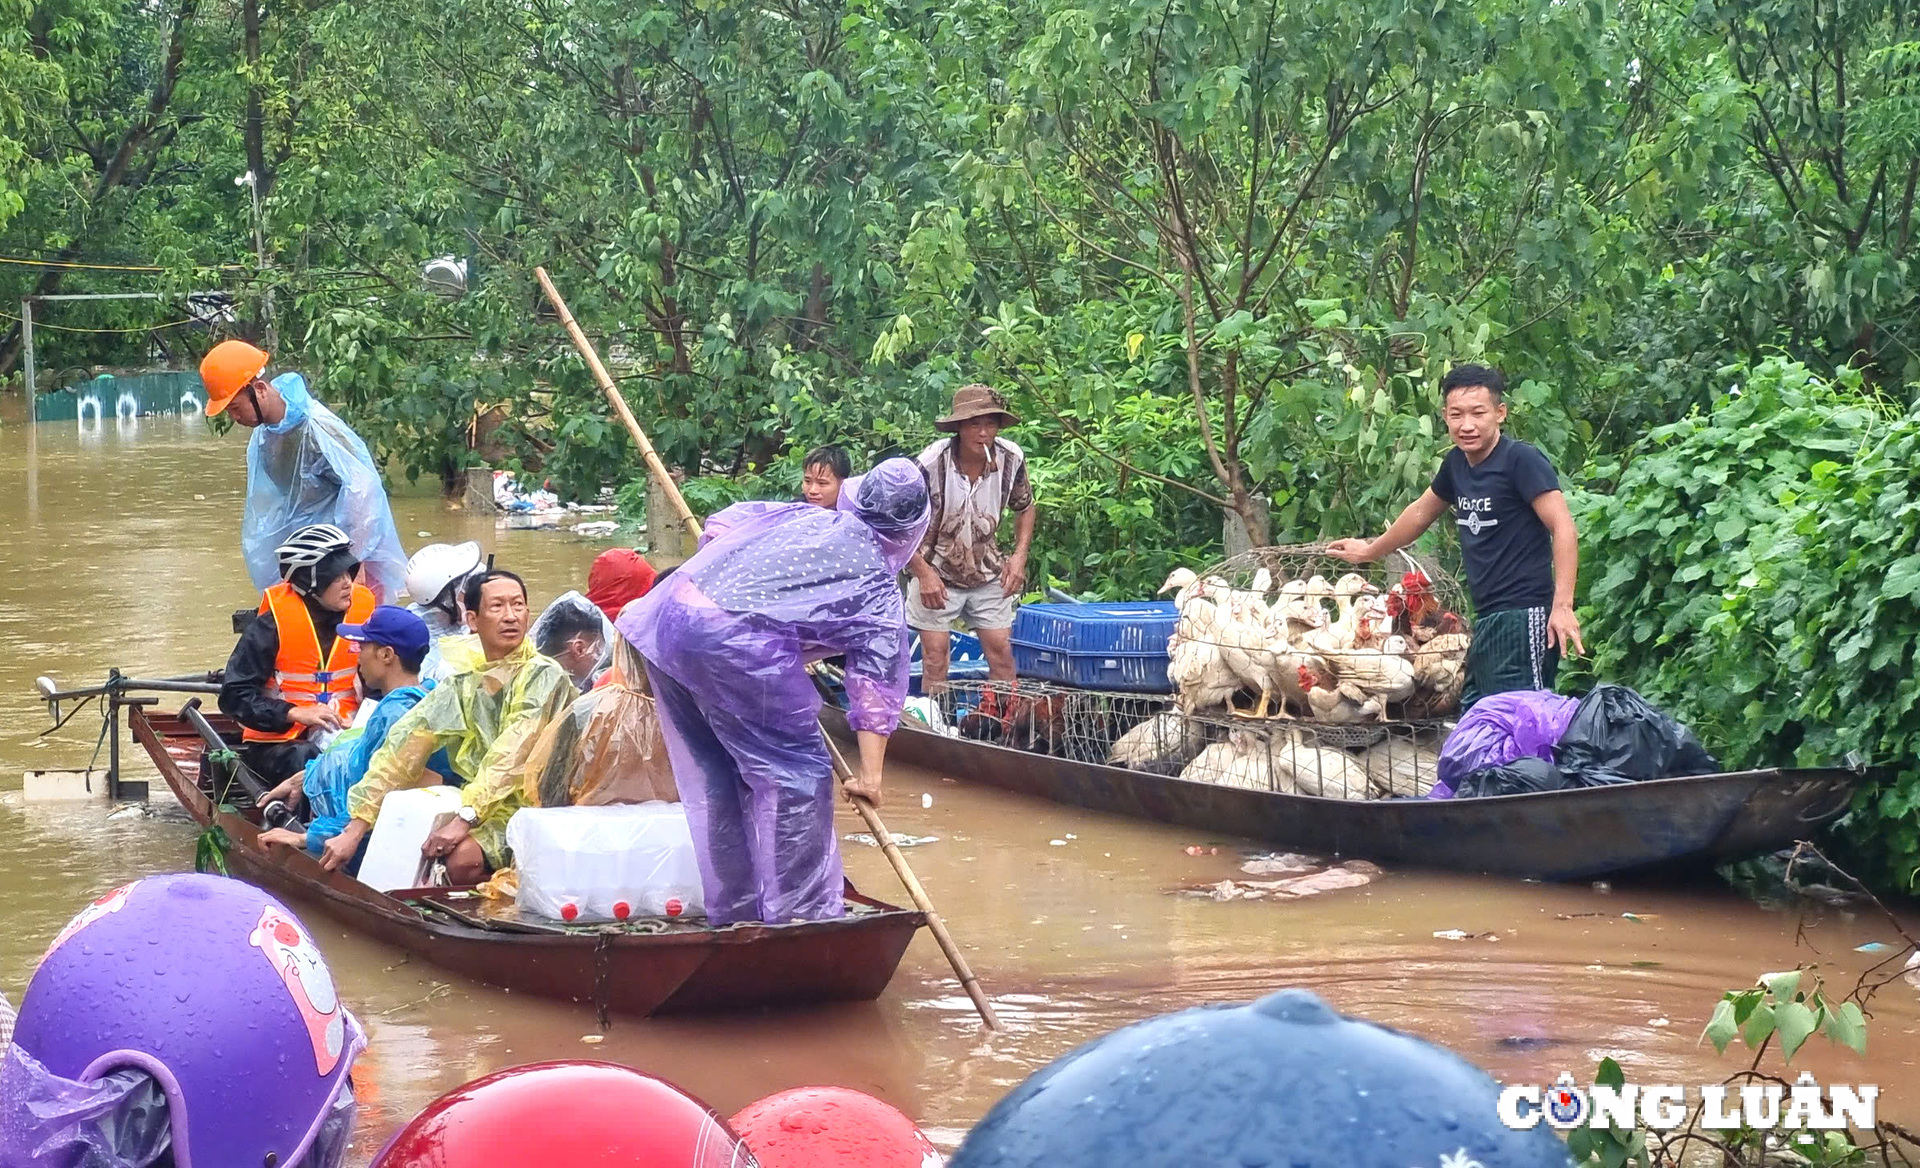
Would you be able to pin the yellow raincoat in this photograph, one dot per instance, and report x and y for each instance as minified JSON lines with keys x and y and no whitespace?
{"x":487,"y":717}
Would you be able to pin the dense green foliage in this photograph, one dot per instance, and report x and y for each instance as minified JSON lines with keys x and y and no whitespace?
{"x":1761,"y":581}
{"x":1215,"y":252}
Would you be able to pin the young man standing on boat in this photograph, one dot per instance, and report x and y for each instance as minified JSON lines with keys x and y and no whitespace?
{"x":393,"y":642}
{"x":1517,"y":539}
{"x":304,"y":466}
{"x":960,"y":573}
{"x":486,"y":717}
{"x":290,"y":679}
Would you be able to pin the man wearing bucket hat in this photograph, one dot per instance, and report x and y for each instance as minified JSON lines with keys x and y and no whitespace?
{"x":973,"y":479}
{"x":304,"y":466}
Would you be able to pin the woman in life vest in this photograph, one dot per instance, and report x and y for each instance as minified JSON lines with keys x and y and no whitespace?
{"x":291,"y":682}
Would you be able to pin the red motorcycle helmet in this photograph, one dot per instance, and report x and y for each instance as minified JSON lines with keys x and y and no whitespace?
{"x":566,"y":1115}
{"x":831,"y":1127}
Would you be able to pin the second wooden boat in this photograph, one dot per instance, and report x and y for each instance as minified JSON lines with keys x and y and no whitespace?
{"x":1552,"y":835}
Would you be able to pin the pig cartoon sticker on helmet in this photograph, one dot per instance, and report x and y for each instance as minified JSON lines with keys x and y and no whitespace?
{"x":216,"y":991}
{"x":298,"y":962}
{"x":112,"y":902}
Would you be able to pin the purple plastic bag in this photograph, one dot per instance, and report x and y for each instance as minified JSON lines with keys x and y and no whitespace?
{"x":1503,"y":727}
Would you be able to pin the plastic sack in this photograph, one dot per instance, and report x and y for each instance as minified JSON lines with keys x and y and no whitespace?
{"x":1504,"y":727}
{"x":1617,"y":733}
{"x":585,"y":864}
{"x":310,"y":467}
{"x":47,"y":1121}
{"x":119,"y":1120}
{"x":1522,"y":776}
{"x":607,"y":748}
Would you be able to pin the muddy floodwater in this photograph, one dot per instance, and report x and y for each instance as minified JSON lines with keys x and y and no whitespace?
{"x":121,"y":551}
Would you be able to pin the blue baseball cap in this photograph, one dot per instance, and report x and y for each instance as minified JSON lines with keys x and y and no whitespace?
{"x":393,"y":627}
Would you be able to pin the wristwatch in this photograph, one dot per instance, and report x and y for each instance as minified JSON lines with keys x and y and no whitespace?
{"x":468,"y":816}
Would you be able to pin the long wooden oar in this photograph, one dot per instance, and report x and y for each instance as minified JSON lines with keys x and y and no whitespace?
{"x":921,"y":900}
{"x":619,"y":403}
{"x":868,"y":812}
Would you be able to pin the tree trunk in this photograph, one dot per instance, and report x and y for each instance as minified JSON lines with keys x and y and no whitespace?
{"x":118,"y":166}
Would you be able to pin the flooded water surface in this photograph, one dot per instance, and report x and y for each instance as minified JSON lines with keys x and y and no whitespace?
{"x":122,"y":552}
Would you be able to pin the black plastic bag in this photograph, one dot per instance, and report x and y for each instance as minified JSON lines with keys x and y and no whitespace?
{"x":1618,"y":735}
{"x":1522,"y":776}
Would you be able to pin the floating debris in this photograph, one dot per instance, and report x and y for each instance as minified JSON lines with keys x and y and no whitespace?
{"x":1291,"y":888}
{"x":866,"y":839}
{"x":1461,"y":935}
{"x":1281,"y":864}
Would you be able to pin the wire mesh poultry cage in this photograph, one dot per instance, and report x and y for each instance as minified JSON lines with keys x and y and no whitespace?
{"x":1291,"y":633}
{"x":1148,"y":732}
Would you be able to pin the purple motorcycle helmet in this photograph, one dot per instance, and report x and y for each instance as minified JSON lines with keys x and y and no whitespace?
{"x":216,"y":991}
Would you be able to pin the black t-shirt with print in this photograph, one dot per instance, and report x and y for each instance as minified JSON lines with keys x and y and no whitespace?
{"x":1507,"y":550}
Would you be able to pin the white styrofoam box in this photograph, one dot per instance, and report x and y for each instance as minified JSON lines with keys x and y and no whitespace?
{"x":406,"y":819}
{"x":606,"y":863}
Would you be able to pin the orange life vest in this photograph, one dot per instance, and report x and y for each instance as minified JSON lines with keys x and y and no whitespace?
{"x":299,"y":675}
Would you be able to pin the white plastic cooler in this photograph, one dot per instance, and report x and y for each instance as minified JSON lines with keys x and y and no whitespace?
{"x":585,"y":864}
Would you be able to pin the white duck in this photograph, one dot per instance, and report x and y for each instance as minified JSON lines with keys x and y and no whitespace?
{"x":1317,"y":770}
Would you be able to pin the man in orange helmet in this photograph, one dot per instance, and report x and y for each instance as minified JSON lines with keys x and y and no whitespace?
{"x":304,"y":466}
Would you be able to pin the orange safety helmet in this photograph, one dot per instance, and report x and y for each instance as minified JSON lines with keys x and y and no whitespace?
{"x":228,"y":368}
{"x":568,"y":1115}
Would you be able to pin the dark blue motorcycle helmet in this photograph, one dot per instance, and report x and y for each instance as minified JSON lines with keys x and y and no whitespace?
{"x":1282,"y":1083}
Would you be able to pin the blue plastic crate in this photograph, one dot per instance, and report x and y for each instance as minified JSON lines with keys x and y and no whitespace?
{"x":966,"y":661}
{"x":1121,"y":646}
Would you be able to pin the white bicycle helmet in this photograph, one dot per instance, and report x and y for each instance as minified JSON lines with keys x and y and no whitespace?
{"x":306,"y":548}
{"x":438,"y":565}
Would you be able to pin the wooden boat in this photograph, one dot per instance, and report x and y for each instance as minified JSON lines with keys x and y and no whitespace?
{"x":1552,"y":835}
{"x":683,"y":968}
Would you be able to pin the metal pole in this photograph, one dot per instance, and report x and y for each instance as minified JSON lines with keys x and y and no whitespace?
{"x":113,"y":757}
{"x":26,"y":343}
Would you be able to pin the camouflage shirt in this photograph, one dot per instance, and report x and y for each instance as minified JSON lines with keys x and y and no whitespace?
{"x":962,"y":541}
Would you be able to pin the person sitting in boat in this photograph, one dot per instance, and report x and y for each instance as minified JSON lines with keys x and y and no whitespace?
{"x":575,"y":633}
{"x":727,"y":641}
{"x":825,"y":469}
{"x":393,"y":643}
{"x":435,"y":576}
{"x":619,"y":577}
{"x":304,"y":466}
{"x":486,"y":717}
{"x":290,"y":679}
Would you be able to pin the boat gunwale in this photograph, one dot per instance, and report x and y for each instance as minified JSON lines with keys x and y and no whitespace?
{"x":353,"y":896}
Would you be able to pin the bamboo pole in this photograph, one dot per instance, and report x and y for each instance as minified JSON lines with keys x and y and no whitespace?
{"x":921,"y":900}
{"x":868,"y":812}
{"x":619,"y":403}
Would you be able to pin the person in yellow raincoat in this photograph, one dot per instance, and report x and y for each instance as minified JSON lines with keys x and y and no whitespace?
{"x":487,"y":718}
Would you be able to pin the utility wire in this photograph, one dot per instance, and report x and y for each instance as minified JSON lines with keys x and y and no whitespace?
{"x":67,"y":328}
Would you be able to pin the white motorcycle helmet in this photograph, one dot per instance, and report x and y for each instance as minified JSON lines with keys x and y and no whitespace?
{"x":434,"y":569}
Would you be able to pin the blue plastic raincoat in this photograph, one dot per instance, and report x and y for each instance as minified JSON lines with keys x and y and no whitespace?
{"x":727,"y":639}
{"x":310,"y":467}
{"x":329,"y":777}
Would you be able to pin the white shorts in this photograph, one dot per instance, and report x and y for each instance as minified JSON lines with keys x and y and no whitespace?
{"x":985,"y":607}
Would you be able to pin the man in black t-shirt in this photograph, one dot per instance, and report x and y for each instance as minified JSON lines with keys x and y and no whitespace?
{"x":1516,"y":537}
